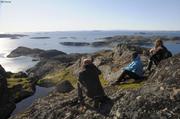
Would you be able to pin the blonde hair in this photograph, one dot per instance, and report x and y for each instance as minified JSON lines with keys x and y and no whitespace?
{"x":158,"y":43}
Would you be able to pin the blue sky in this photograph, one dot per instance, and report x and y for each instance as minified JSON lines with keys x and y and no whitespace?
{"x":65,"y":15}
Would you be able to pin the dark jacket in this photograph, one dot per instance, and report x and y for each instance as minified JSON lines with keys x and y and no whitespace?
{"x":161,"y":54}
{"x":89,"y":81}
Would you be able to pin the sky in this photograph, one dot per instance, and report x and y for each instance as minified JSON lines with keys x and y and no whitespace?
{"x":70,"y":15}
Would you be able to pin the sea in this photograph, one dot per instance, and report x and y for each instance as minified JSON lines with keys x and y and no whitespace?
{"x":53,"y":42}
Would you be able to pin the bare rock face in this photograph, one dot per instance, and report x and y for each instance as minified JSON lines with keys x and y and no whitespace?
{"x":64,"y":87}
{"x":6,"y":106}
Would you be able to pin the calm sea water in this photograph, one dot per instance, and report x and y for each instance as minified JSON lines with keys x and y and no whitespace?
{"x":40,"y":92}
{"x":23,"y":63}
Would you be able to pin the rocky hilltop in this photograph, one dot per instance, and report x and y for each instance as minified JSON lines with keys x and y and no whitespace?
{"x":158,"y":96}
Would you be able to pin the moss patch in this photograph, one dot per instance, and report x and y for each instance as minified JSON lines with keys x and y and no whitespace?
{"x":66,"y":74}
{"x":103,"y":81}
{"x":133,"y":86}
{"x":55,"y":77}
{"x":17,"y":81}
{"x":19,"y":88}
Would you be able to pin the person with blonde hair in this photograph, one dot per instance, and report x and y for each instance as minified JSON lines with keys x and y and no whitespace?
{"x":158,"y":53}
{"x":90,"y":85}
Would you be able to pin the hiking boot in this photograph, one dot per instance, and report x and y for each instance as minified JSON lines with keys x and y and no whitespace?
{"x":96,"y":104}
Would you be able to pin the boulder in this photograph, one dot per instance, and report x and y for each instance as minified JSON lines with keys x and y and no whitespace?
{"x":46,"y":66}
{"x":64,"y":87}
{"x":3,"y":86}
{"x":6,"y":105}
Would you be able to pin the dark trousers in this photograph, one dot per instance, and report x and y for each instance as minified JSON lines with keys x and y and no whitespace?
{"x":129,"y":74}
{"x":97,"y":99}
{"x":80,"y":93}
{"x":153,"y":59}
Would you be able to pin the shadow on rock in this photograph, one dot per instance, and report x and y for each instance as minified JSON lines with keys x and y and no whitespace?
{"x":104,"y":109}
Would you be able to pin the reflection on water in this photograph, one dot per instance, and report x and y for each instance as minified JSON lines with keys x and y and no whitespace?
{"x":17,"y":64}
{"x":40,"y":92}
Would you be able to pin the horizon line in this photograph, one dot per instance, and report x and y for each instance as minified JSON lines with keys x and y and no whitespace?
{"x":95,"y":30}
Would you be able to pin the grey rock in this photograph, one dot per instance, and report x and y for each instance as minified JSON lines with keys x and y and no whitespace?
{"x":64,"y":87}
{"x":6,"y":105}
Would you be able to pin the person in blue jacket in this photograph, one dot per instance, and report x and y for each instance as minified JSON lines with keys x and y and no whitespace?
{"x":134,"y":70}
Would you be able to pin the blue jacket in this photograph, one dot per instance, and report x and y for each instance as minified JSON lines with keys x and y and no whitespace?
{"x":136,"y":66}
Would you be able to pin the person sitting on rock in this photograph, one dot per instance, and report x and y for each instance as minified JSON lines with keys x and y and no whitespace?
{"x":90,"y":84}
{"x":158,"y":53}
{"x":134,"y":70}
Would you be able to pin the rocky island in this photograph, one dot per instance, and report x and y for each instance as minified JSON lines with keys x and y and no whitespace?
{"x":40,"y":37}
{"x":12,"y":36}
{"x":122,"y":39}
{"x":75,"y":43}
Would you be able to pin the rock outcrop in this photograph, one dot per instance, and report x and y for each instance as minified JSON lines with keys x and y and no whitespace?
{"x":20,"y":88}
{"x":53,"y":64}
{"x":156,"y":97}
{"x":14,"y":87}
{"x":64,"y":87}
{"x":6,"y":105}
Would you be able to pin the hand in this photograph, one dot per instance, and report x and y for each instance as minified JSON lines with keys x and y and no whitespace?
{"x":152,"y":50}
